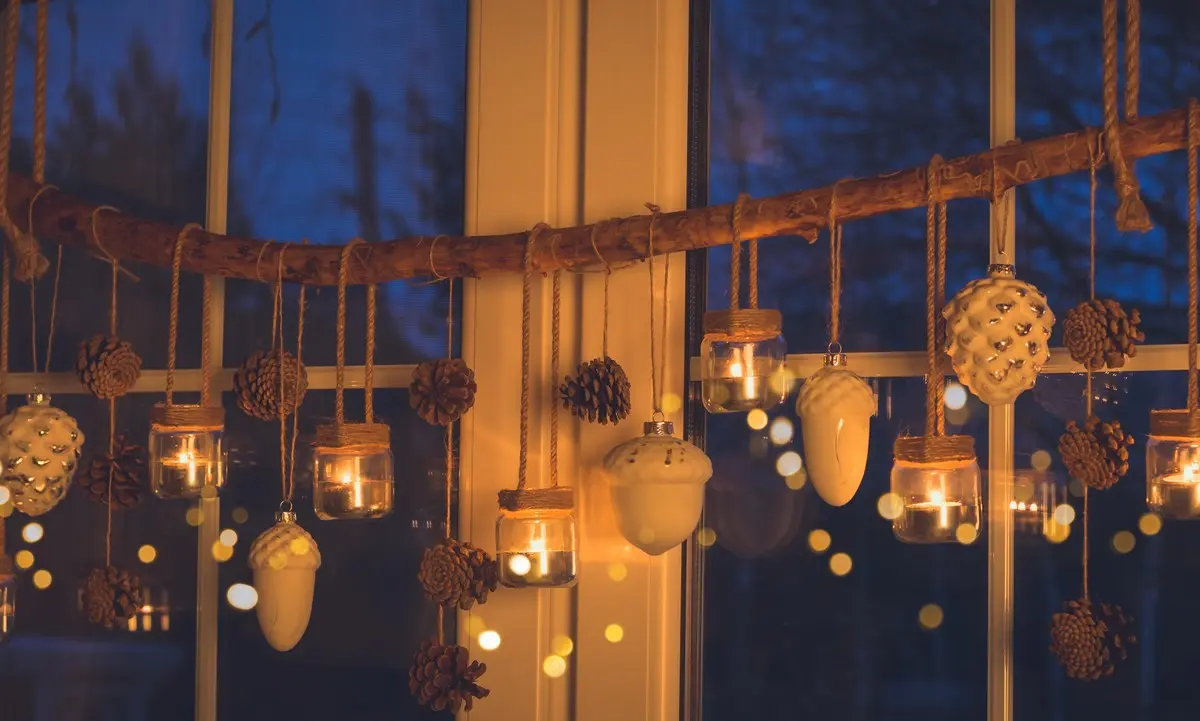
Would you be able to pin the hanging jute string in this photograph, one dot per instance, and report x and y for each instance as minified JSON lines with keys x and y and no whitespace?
{"x":523,"y":498}
{"x":446,"y":524}
{"x":1131,"y":211}
{"x":12,"y":30}
{"x":746,"y":325}
{"x":935,"y":447}
{"x":5,"y":296}
{"x":170,"y":415}
{"x":1133,"y":41}
{"x":354,"y":437}
{"x":287,"y":461}
{"x":657,"y":361}
{"x":835,"y":275}
{"x":607,"y":277}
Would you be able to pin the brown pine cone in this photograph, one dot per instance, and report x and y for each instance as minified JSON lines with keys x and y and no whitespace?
{"x":1099,"y":333}
{"x":599,"y":392}
{"x":457,"y":574}
{"x":442,"y":390}
{"x":128,"y":464}
{"x":1097,"y":454}
{"x":1089,"y":645}
{"x":256,"y":384}
{"x":107,"y":366}
{"x":443,"y":677}
{"x":111,"y":596}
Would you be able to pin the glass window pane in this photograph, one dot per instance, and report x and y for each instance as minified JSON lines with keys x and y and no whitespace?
{"x":348,"y":120}
{"x":803,"y":94}
{"x":812,"y":611}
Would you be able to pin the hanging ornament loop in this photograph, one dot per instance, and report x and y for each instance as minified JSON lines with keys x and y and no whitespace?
{"x":835,"y":273}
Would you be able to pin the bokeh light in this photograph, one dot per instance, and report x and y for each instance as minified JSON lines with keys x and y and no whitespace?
{"x":1057,"y":532}
{"x":1040,"y":460}
{"x":796,"y":481}
{"x":956,"y":396}
{"x":519,"y":564}
{"x":613,"y":633}
{"x":1023,"y":490}
{"x":1123,"y":541}
{"x":42,"y":579}
{"x":242,"y":597}
{"x":1064,"y":514}
{"x":24,"y":559}
{"x":930,"y":616}
{"x":220,"y":552}
{"x":5,"y":495}
{"x":33,"y":532}
{"x":562,"y":645}
{"x":958,"y":416}
{"x":1075,"y":487}
{"x":299,"y":546}
{"x":819,"y":540}
{"x":240,"y":515}
{"x":782,"y":431}
{"x":489,"y":640}
{"x":1150,"y":524}
{"x":229,"y":537}
{"x":966,"y":533}
{"x":890,"y":506}
{"x":671,"y":402}
{"x":194,"y":516}
{"x":706,"y":537}
{"x":840,"y":564}
{"x":756,"y":419}
{"x":789,"y":463}
{"x":476,"y":624}
{"x":554,"y":666}
{"x":147,"y":553}
{"x":617,"y":571}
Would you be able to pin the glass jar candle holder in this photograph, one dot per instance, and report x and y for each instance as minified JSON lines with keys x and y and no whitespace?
{"x":936,"y":480}
{"x":353,"y":472}
{"x":1173,"y":465}
{"x":743,"y":361}
{"x":187,"y":450}
{"x":537,"y":542}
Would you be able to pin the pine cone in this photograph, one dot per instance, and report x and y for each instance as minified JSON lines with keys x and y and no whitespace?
{"x":1098,"y":333}
{"x":442,"y":390}
{"x":111,"y":596}
{"x":107,"y":366}
{"x":457,"y":574}
{"x":256,"y":384}
{"x":1097,"y":454}
{"x":599,"y":392}
{"x":443,"y":677}
{"x":1089,"y":647}
{"x":128,"y":464}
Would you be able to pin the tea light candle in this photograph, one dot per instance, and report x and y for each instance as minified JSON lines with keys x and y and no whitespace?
{"x":1176,"y":495}
{"x":927,"y":521}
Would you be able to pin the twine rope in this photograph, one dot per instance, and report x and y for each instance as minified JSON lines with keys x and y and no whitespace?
{"x":657,"y":361}
{"x":206,"y":312}
{"x":939,"y":303}
{"x":526,"y":299}
{"x":1193,"y":140}
{"x":5,"y":310}
{"x":173,"y":327}
{"x":53,"y":313}
{"x":12,"y":30}
{"x":277,"y":341}
{"x":433,"y":268}
{"x":112,"y":430}
{"x":735,"y":255}
{"x":607,"y":277}
{"x":835,"y":272}
{"x":343,"y":276}
{"x":1133,"y":41}
{"x":1131,"y":212}
{"x":1086,"y":514}
{"x":39,"y":93}
{"x":933,"y":197}
{"x":369,"y":362}
{"x":296,"y":398}
{"x":441,"y":614}
{"x":753,"y":244}
{"x":555,"y":323}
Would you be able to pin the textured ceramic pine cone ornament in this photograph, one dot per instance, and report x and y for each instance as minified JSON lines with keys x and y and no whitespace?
{"x":285,"y":560}
{"x":835,"y":407}
{"x":39,"y":449}
{"x":998,"y":335}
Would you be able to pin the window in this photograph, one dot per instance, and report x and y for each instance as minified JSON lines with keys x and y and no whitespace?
{"x":800,"y":96}
{"x":343,"y":123}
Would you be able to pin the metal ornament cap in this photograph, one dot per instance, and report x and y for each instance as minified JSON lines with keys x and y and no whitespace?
{"x":835,"y":406}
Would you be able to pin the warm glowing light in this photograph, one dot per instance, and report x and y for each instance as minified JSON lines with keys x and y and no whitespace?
{"x":1123,"y":541}
{"x":476,"y":625}
{"x":489,"y":640}
{"x":840,"y":564}
{"x":617,"y":571}
{"x":671,"y":402}
{"x":520,"y":564}
{"x":194,"y":516}
{"x":5,"y":495}
{"x":781,"y":381}
{"x":890,"y":506}
{"x":562,"y":645}
{"x":278,"y":561}
{"x":958,"y":416}
{"x":966,"y":533}
{"x":930,"y":616}
{"x":220,"y":552}
{"x":1057,"y":532}
{"x":789,"y":463}
{"x":819,"y":540}
{"x":240,"y":515}
{"x":1023,"y":490}
{"x":782,"y":431}
{"x":147,"y":553}
{"x":956,"y":396}
{"x":796,"y":481}
{"x":614,"y":633}
{"x":554,"y":666}
{"x":706,"y":537}
{"x":1064,"y":514}
{"x":228,"y":537}
{"x":756,"y":419}
{"x":242,"y":597}
{"x":42,"y":579}
{"x":33,"y":532}
{"x":1150,"y":524}
{"x":1040,"y":460}
{"x":24,"y":559}
{"x":299,"y":546}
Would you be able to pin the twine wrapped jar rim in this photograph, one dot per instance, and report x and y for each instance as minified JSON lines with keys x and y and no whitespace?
{"x":186,"y":417}
{"x":945,"y":451}
{"x":353,"y":438}
{"x":555,"y":498}
{"x":1175,"y":423}
{"x":746,"y":325}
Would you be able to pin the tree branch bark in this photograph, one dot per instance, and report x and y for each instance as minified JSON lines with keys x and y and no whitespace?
{"x":60,"y":218}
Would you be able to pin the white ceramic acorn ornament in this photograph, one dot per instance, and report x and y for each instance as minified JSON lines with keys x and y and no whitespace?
{"x":998,"y":335}
{"x":285,"y":559}
{"x":39,"y":449}
{"x":657,"y":485}
{"x":835,"y":407}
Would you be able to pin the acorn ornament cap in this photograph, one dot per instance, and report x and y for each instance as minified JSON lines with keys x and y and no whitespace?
{"x":998,"y":335}
{"x":835,"y":407}
{"x":285,"y":560}
{"x":39,"y":449}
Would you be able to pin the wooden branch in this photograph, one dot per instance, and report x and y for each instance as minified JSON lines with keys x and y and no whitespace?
{"x":60,"y":218}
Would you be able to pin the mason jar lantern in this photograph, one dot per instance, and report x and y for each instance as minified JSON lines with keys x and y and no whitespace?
{"x":1173,"y":464}
{"x":537,"y":538}
{"x":187,"y":450}
{"x":935,"y":480}
{"x":743,"y":360}
{"x":353,"y":472}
